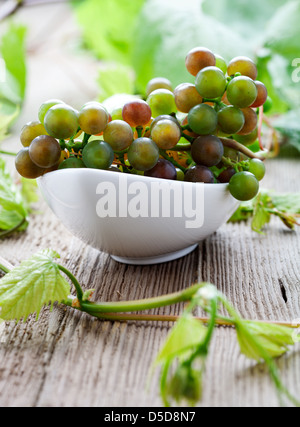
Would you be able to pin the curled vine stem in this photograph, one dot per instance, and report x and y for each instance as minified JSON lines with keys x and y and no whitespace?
{"x":231,"y":143}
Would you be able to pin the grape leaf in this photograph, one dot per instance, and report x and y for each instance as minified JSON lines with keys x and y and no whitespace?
{"x":187,"y":333}
{"x":12,"y":207}
{"x":115,"y":79}
{"x":286,"y":206}
{"x":12,"y":76}
{"x":274,"y":339}
{"x":288,"y":124}
{"x":283,"y":32}
{"x":108,"y":27}
{"x":261,"y":216}
{"x":33,"y":284}
{"x":243,"y":15}
{"x":13,"y":53}
{"x":166,"y":35}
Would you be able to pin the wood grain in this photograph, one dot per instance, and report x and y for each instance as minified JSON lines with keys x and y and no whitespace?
{"x":68,"y":359}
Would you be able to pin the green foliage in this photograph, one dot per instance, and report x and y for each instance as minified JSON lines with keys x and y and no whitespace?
{"x":13,"y":210}
{"x":33,"y":284}
{"x":115,"y":79}
{"x":12,"y":87}
{"x":289,"y":125}
{"x":286,"y":206}
{"x":187,"y":334}
{"x":167,"y":34}
{"x":273,"y":339}
{"x":108,"y":27}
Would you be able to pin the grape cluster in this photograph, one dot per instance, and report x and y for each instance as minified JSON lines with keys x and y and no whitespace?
{"x":198,"y":132}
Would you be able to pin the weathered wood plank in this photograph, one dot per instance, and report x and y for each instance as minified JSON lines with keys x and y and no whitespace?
{"x":69,"y":359}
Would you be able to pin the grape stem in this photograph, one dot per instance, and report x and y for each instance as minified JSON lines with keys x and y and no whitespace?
{"x":107,"y":308}
{"x":173,"y":161}
{"x":110,"y":310}
{"x":188,"y":138}
{"x":8,"y":153}
{"x":231,"y":143}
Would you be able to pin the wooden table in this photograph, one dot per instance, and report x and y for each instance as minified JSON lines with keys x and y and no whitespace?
{"x":70,"y":359}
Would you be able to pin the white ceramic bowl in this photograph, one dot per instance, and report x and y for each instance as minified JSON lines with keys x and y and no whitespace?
{"x":136,"y":219}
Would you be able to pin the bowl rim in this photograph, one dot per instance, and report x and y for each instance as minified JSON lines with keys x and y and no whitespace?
{"x":139,"y":177}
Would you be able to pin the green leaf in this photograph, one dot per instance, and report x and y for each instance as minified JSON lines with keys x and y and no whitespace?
{"x":167,"y":30}
{"x":33,"y":284}
{"x":270,"y":339}
{"x":261,"y":216}
{"x":186,"y":334}
{"x":29,"y":193}
{"x":282,"y":33}
{"x":12,"y":76}
{"x":286,"y":206}
{"x":243,"y":15}
{"x":12,"y":50}
{"x":115,"y":79}
{"x":8,"y":113}
{"x":275,"y":80}
{"x":12,"y":207}
{"x":108,"y":27}
{"x":289,"y":125}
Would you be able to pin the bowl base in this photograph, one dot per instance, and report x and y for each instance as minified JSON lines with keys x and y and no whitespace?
{"x":156,"y":259}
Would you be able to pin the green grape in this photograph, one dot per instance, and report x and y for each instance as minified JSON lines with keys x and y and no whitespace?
{"x":231,"y":120}
{"x":25,"y":165}
{"x":61,"y":121}
{"x":180,"y":174}
{"x":186,"y":97}
{"x":118,"y":134}
{"x":244,"y":186}
{"x":163,"y":170}
{"x":241,"y":92}
{"x":207,"y":150}
{"x":136,"y":113}
{"x":158,"y":83}
{"x":258,"y":168}
{"x":250,"y":121}
{"x":30,"y":131}
{"x":45,"y":151}
{"x":162,"y":101}
{"x":164,"y":117}
{"x":143,"y":154}
{"x":199,"y":58}
{"x":262,"y":94}
{"x":211,"y":82}
{"x":243,"y":65}
{"x":166,"y":134}
{"x":72,"y":163}
{"x":203,"y":119}
{"x":247,"y":140}
{"x":199,"y":174}
{"x":45,"y":107}
{"x":93,"y":118}
{"x":221,"y":63}
{"x":97,"y":155}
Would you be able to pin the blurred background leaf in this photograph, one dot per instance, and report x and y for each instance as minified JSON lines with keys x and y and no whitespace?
{"x":13,"y":75}
{"x":108,"y":27}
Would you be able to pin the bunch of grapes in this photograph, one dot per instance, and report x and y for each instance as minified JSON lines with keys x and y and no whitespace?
{"x":200,"y":132}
